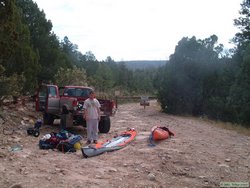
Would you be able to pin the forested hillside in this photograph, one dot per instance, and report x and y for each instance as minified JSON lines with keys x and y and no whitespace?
{"x":144,"y":64}
{"x":200,"y":78}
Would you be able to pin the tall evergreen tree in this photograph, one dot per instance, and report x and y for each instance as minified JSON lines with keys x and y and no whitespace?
{"x":8,"y":30}
{"x":239,"y":99}
{"x":243,"y":23}
{"x":103,"y":79}
{"x":44,"y":41}
{"x":183,"y":89}
{"x":18,"y":56}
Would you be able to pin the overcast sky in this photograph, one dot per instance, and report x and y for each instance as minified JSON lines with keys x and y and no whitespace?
{"x":139,"y":29}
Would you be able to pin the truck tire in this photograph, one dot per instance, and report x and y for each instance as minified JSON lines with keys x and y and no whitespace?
{"x":48,"y":119}
{"x":104,"y":124}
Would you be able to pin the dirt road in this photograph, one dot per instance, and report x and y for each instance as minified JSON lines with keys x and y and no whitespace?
{"x":200,"y":155}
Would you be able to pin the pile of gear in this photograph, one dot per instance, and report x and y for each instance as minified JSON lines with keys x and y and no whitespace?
{"x":64,"y":141}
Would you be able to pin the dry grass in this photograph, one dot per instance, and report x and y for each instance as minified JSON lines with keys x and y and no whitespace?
{"x":229,"y":126}
{"x":223,"y":125}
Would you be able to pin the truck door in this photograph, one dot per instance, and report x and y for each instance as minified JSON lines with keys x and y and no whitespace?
{"x":47,"y":99}
{"x":41,"y":98}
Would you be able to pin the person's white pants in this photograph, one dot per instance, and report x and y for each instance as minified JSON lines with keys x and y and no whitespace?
{"x":92,"y":129}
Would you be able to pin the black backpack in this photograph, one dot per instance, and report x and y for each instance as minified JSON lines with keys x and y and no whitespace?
{"x":64,"y":146}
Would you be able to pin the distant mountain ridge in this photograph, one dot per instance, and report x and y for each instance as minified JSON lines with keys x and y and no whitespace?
{"x":143,"y":64}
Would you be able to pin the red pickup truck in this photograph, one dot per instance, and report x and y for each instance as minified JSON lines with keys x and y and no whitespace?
{"x":50,"y":99}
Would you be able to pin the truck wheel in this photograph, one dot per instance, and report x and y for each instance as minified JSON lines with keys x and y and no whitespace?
{"x":48,"y":119}
{"x":104,"y":125}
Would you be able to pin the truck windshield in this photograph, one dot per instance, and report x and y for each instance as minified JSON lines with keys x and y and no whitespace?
{"x":77,"y":92}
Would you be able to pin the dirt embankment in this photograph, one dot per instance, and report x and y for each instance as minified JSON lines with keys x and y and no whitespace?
{"x":200,"y":155}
